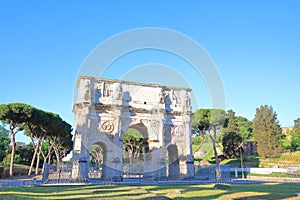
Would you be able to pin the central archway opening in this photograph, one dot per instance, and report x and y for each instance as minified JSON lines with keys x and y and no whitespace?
{"x":134,"y":148}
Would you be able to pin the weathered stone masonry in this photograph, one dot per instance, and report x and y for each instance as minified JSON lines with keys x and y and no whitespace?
{"x":105,"y":109}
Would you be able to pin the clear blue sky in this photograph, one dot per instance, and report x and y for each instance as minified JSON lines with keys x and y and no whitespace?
{"x":254,"y":44}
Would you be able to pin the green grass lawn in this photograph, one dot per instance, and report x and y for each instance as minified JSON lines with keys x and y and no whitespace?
{"x":248,"y":161}
{"x":254,"y":191}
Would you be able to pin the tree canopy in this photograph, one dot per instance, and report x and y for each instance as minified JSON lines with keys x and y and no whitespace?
{"x":39,"y":125}
{"x":15,"y":114}
{"x":232,"y":139}
{"x":231,"y":123}
{"x":245,"y":128}
{"x":206,"y":119}
{"x":295,"y":133}
{"x":267,"y":132}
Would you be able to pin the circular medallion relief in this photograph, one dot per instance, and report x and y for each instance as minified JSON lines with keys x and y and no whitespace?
{"x":178,"y":130}
{"x":107,"y":126}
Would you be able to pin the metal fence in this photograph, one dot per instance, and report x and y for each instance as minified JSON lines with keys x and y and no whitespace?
{"x":208,"y":174}
{"x":55,"y":174}
{"x":62,"y":173}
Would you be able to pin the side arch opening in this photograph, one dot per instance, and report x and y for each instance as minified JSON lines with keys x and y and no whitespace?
{"x":173,"y":167}
{"x":98,"y":160}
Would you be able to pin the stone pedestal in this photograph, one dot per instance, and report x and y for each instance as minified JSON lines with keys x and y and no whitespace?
{"x":190,"y":169}
{"x":80,"y":171}
{"x":162,"y":175}
{"x":46,"y":172}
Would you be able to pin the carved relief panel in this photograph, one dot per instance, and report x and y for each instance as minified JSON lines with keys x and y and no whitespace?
{"x":86,"y":90}
{"x":154,"y":130}
{"x":107,"y":90}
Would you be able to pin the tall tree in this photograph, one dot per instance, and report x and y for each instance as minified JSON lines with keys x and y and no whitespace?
{"x":15,"y":114}
{"x":35,"y":129}
{"x":267,"y":132}
{"x":232,"y":139}
{"x":245,"y":128}
{"x":60,"y":138}
{"x":210,"y":121}
{"x":295,"y":133}
{"x":231,"y":123}
{"x":49,"y":127}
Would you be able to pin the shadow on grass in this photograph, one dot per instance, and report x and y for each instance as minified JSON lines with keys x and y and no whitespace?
{"x":88,"y":194}
{"x":253,"y":191}
{"x":56,"y":189}
{"x":73,"y":192}
{"x":266,"y":197}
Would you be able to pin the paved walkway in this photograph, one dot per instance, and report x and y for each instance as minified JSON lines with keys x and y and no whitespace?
{"x":21,"y":181}
{"x":36,"y":181}
{"x":275,"y":179}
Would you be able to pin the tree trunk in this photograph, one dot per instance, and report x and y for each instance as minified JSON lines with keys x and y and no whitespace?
{"x":214,"y":140}
{"x":34,"y":155}
{"x":37,"y":162}
{"x":200,"y":145}
{"x":57,"y":156}
{"x":12,"y":126}
{"x":13,"y":151}
{"x":49,"y":158}
{"x":46,"y":158}
{"x":44,"y":161}
{"x":40,"y":144}
{"x":129,"y":151}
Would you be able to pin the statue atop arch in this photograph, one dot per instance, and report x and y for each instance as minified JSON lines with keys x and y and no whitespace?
{"x":106,"y":108}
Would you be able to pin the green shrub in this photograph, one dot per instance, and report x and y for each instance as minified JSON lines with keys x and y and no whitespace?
{"x":16,"y":161}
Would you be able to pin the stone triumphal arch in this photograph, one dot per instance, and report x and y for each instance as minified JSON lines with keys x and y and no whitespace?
{"x":106,"y":108}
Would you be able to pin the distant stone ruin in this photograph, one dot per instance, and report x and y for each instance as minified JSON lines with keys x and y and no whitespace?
{"x":106,"y":108}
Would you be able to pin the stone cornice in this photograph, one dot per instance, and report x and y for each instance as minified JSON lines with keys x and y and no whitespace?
{"x":134,"y":83}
